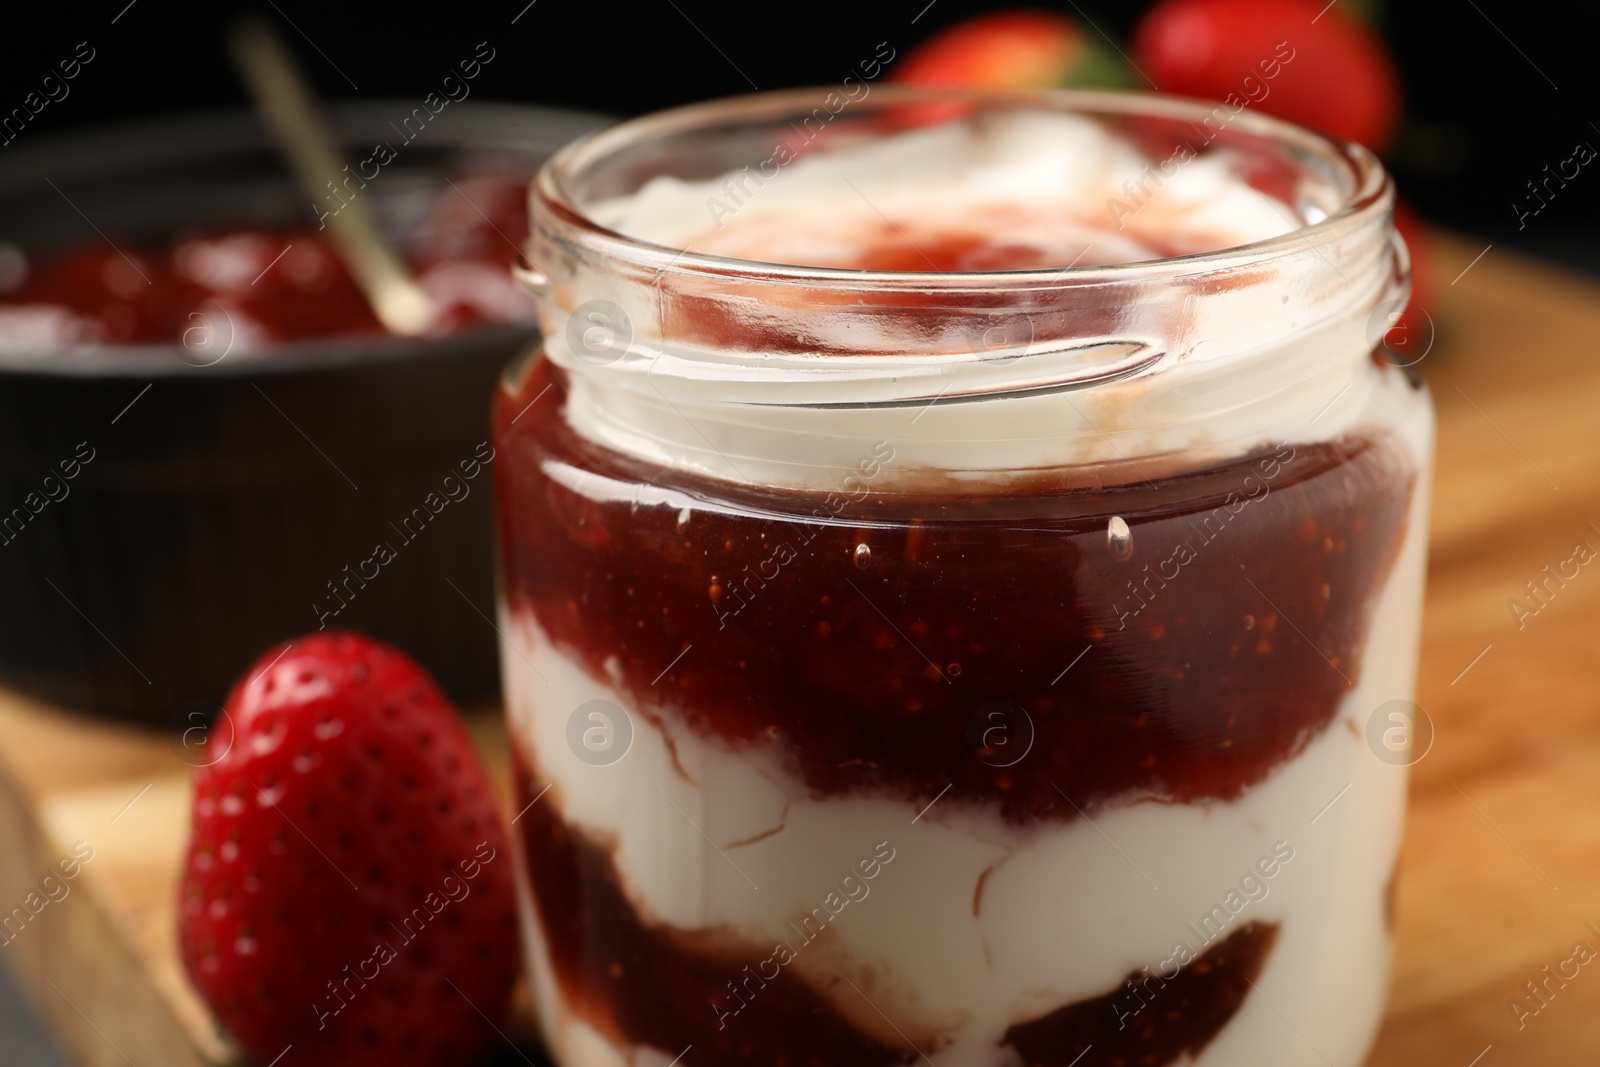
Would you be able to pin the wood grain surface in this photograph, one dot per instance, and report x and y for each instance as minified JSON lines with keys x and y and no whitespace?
{"x":1500,"y":874}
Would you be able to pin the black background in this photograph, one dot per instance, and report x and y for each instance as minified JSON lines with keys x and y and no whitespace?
{"x":1495,"y":89}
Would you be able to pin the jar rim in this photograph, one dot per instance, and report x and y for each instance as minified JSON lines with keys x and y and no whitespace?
{"x":1368,"y":190}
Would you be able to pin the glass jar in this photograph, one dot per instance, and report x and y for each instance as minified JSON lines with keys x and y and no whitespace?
{"x":948,"y":665}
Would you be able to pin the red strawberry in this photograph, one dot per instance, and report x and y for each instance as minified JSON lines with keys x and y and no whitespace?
{"x":1013,"y":50}
{"x":348,"y":888}
{"x":1306,"y":62}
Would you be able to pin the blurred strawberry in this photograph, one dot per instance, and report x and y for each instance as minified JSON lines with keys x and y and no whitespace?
{"x":1021,"y":49}
{"x":1306,"y":62}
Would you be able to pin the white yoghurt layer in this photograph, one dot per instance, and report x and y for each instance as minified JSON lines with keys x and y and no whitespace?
{"x":722,"y":840}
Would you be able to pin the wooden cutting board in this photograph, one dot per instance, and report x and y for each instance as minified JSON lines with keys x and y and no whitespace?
{"x":1500,"y":873}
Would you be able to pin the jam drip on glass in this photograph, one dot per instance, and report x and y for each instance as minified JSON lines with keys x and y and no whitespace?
{"x":872,"y":640}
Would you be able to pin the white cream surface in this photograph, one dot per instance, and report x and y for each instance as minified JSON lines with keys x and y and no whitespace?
{"x":1062,"y":185}
{"x":720,"y":840}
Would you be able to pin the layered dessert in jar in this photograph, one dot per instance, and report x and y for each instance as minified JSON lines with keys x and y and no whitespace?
{"x":951,"y":550}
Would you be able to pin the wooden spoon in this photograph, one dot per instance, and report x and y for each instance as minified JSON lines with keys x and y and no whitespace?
{"x":286,"y":104}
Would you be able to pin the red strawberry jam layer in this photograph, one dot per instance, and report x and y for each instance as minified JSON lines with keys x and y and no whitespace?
{"x":865,"y":637}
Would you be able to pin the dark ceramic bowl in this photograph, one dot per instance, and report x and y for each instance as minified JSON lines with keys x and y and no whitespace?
{"x":163,"y":523}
